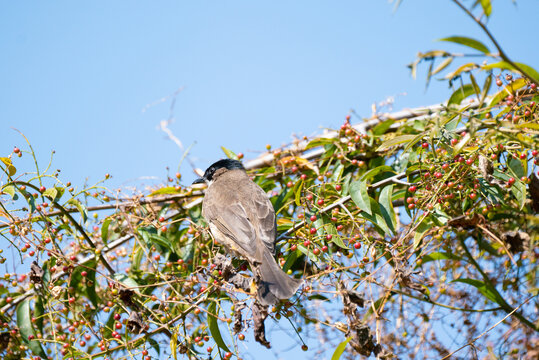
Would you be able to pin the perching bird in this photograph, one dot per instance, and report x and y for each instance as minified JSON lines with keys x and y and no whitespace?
{"x":242,"y":218}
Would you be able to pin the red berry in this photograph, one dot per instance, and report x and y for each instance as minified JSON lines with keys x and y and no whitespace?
{"x":454,"y":142}
{"x":425,"y":145}
{"x":42,"y":189}
{"x":499,"y":82}
{"x":320,"y":202}
{"x":412,"y":189}
{"x":316,"y":251}
{"x":161,"y":219}
{"x":511,"y":181}
{"x":84,"y":273}
{"x":338,"y":187}
{"x":306,"y":243}
{"x":473,"y":196}
{"x":329,"y":237}
{"x":289,"y":184}
{"x":303,"y":177}
{"x":410,"y":200}
{"x":411,"y":206}
{"x":324,"y":248}
{"x":313,"y":230}
{"x":241,"y":337}
{"x":357,"y":245}
{"x":533,"y":86}
{"x":313,"y":217}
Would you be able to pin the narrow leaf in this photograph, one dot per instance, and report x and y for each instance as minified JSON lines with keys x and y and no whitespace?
{"x":377,"y":170}
{"x":24,"y":322}
{"x":340,"y":349}
{"x":395,"y":141}
{"x":214,"y":326}
{"x":229,"y":153}
{"x":442,"y":65}
{"x":360,"y":196}
{"x":469,"y":42}
{"x":386,"y":207}
{"x":460,"y":94}
{"x":80,"y":207}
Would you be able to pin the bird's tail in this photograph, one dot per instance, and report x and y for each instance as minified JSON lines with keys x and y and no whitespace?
{"x":274,"y":283}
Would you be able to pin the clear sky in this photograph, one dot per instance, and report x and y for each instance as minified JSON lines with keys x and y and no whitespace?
{"x":75,"y":76}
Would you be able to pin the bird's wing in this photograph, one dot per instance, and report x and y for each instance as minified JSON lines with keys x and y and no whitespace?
{"x":243,"y":219}
{"x":263,"y":217}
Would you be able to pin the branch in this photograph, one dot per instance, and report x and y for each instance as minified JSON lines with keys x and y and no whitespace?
{"x":503,"y":55}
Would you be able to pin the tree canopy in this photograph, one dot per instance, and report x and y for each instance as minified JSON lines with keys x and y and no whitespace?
{"x":414,"y":232}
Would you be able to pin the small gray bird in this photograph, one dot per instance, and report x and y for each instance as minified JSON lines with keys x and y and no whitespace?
{"x":242,"y":218}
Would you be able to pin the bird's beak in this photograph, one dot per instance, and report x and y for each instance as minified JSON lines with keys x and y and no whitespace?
{"x":199,"y":181}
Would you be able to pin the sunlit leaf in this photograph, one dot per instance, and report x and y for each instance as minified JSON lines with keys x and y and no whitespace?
{"x":229,"y":153}
{"x":460,"y":94}
{"x":80,"y":207}
{"x":395,"y":141}
{"x":487,"y":7}
{"x":467,"y":41}
{"x":377,"y":170}
{"x":11,"y":170}
{"x":340,"y":349}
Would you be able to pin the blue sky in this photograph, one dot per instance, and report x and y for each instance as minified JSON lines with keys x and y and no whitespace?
{"x":76,"y":76}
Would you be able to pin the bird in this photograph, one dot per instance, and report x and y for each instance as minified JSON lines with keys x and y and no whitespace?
{"x":241,"y":218}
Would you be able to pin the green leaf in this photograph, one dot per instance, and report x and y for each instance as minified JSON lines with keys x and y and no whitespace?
{"x":325,"y":226}
{"x":386,"y":207}
{"x":507,"y":90}
{"x":377,"y":170}
{"x":308,"y":253}
{"x":469,"y":42}
{"x":487,"y":7}
{"x":442,"y":65}
{"x":506,"y":66}
{"x":463,"y":68}
{"x":297,"y":192}
{"x":167,"y":190}
{"x":360,"y":196}
{"x":51,"y":193}
{"x":376,"y":218}
{"x":214,"y":326}
{"x":39,"y":310}
{"x":460,"y":94}
{"x":105,"y":230}
{"x":10,"y":190}
{"x":319,"y":142}
{"x":420,"y":231}
{"x":80,"y":207}
{"x":485,"y":289}
{"x":24,"y":322}
{"x":229,"y":153}
{"x":130,"y":283}
{"x":439,"y":256}
{"x":290,"y":260}
{"x":11,"y":170}
{"x":382,"y":127}
{"x":137,"y":258}
{"x":486,"y":88}
{"x":340,"y":349}
{"x":515,"y":166}
{"x":76,"y":280}
{"x":395,"y":141}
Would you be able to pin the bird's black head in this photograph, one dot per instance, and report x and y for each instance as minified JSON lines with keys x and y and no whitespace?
{"x":228,"y":164}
